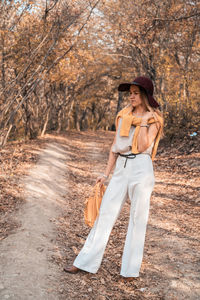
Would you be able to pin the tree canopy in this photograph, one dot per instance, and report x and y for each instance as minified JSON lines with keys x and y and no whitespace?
{"x":61,"y":62}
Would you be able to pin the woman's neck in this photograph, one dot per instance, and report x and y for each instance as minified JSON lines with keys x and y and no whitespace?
{"x":138,"y":111}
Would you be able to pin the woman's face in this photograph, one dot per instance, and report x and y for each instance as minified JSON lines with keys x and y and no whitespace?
{"x":135,"y":96}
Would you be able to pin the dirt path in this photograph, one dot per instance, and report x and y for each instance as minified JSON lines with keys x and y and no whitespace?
{"x":52,"y":229}
{"x":26,"y":270}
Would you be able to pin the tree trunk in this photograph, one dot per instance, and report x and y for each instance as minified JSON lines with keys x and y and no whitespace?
{"x":5,"y":138}
{"x":120,"y":100}
{"x":45,"y":123}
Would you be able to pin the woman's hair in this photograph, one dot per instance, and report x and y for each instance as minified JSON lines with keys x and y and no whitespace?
{"x":155,"y":111}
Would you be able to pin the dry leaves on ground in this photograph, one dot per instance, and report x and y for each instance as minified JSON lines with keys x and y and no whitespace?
{"x":169,"y":268}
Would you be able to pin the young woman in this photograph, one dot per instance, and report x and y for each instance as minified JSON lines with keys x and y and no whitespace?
{"x":138,"y":130}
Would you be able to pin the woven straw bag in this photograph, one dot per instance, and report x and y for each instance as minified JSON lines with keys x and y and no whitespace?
{"x":93,"y":203}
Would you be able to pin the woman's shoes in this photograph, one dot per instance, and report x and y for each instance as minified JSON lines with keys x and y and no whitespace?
{"x":72,"y":270}
{"x":129,"y":279}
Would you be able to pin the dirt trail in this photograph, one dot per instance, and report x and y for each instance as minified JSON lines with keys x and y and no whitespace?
{"x":26,"y":270}
{"x":52,"y":229}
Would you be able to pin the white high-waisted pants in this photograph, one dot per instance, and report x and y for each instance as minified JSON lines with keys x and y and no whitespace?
{"x":136,"y":180}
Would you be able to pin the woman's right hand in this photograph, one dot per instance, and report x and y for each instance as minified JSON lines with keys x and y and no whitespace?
{"x":101,"y":180}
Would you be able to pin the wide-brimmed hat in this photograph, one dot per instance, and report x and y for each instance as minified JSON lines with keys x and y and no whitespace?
{"x":146,"y":84}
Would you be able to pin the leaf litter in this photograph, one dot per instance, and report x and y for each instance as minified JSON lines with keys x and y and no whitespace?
{"x":170,"y":264}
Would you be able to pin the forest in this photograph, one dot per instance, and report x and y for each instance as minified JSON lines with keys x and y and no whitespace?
{"x":62,"y":61}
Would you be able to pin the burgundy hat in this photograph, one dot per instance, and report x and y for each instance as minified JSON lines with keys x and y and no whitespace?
{"x":146,"y":84}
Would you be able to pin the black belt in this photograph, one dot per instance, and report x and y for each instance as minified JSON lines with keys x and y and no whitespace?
{"x":128,"y":156}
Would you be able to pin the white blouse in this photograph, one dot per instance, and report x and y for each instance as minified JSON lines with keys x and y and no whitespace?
{"x":123,"y":144}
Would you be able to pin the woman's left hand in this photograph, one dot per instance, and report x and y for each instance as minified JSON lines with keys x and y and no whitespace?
{"x":148,"y":115}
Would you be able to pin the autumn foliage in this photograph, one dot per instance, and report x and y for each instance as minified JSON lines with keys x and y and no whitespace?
{"x":61,"y":62}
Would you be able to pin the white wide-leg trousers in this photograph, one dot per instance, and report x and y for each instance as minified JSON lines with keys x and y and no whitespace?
{"x":135,"y":181}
